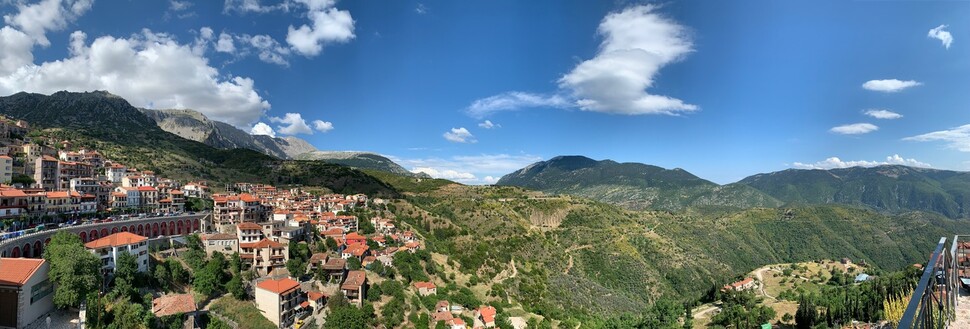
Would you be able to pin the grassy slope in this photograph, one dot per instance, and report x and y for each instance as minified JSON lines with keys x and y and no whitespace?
{"x":576,"y":256}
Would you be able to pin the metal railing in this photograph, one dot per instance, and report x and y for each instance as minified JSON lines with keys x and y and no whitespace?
{"x":934,"y":301}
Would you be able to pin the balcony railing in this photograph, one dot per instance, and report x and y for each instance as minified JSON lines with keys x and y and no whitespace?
{"x":933,"y":305}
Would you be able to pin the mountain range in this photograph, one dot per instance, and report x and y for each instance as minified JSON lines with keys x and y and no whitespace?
{"x":562,"y":256}
{"x":102,"y":121}
{"x":633,"y":185}
{"x":196,"y":126}
{"x":889,"y":188}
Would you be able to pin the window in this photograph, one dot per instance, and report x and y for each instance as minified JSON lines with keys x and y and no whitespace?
{"x":41,"y":290}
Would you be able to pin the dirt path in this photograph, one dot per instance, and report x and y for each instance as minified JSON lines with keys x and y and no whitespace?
{"x":759,"y":273}
{"x":514,"y":270}
{"x":569,"y":266}
{"x":701,"y":313}
{"x":574,"y":248}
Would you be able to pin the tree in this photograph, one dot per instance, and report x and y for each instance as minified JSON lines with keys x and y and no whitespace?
{"x":235,"y":287}
{"x":353,"y":263}
{"x":807,"y":314}
{"x":127,"y":315}
{"x":177,"y":271}
{"x":331,"y":244}
{"x":208,"y":280}
{"x":235,"y":264}
{"x":345,"y":317}
{"x":162,"y":277}
{"x":296,"y":267}
{"x":73,"y":270}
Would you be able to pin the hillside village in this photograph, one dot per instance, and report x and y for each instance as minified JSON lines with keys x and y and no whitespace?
{"x":288,"y":256}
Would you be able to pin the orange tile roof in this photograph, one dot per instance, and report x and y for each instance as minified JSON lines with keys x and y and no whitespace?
{"x":355,"y":279}
{"x":425,"y":285}
{"x":173,"y":304}
{"x":313,"y":295}
{"x":263,"y":244}
{"x":355,"y":236}
{"x":279,"y":287}
{"x":115,"y":240}
{"x":146,"y":188}
{"x":249,"y":226}
{"x":488,"y":313}
{"x":16,"y":271}
{"x":12,"y":193}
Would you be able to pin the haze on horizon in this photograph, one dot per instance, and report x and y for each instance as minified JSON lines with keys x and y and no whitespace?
{"x":472,"y":91}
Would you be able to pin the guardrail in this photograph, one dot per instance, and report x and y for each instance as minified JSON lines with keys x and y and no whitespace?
{"x":8,"y":242}
{"x":934,"y":301}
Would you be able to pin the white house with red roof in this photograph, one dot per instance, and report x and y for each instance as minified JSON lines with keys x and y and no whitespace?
{"x":486,"y":314}
{"x":108,"y":248}
{"x":26,"y":294}
{"x":278,"y":300}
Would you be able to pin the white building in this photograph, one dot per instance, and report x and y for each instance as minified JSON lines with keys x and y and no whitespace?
{"x":6,"y":169}
{"x":25,"y":290}
{"x":115,"y":173}
{"x":279,"y":300}
{"x":108,"y":248}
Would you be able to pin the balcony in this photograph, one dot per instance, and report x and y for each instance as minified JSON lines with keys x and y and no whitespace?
{"x":939,"y":301}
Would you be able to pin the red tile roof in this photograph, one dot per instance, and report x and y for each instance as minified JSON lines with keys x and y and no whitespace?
{"x":313,"y":295}
{"x":115,"y":240}
{"x":278,"y":287}
{"x":425,"y":285}
{"x":16,"y":271}
{"x":173,"y":304}
{"x":488,"y":313}
{"x":249,"y":226}
{"x":355,"y":279}
{"x":264,"y":243}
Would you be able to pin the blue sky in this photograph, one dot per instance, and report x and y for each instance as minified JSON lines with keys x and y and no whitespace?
{"x":724,"y":89}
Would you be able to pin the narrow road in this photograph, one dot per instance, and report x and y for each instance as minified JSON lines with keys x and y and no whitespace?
{"x":759,"y":273}
{"x":700,"y":314}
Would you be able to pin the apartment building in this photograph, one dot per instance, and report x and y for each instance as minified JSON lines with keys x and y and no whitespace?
{"x":108,"y":248}
{"x":279,"y":300}
{"x":264,"y":256}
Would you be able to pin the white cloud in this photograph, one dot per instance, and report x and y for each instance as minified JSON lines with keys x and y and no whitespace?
{"x":637,"y":43}
{"x":957,"y":138}
{"x":254,"y":6}
{"x":291,"y":124}
{"x":889,"y":85}
{"x":421,"y":9}
{"x":883,"y":114}
{"x":446,"y":174}
{"x":514,"y":100}
{"x":944,"y":36}
{"x":149,"y":70}
{"x":835,"y":162}
{"x":322,"y":126}
{"x":487,"y":124}
{"x":37,"y":19}
{"x":262,"y":129}
{"x":854,"y":129}
{"x":329,"y":25}
{"x":459,"y":135}
{"x":225,"y":43}
{"x":269,"y":50}
{"x":473,"y":169}
{"x":15,"y":50}
{"x":176,"y":6}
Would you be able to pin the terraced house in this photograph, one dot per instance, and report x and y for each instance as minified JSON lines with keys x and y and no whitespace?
{"x":233,"y":209}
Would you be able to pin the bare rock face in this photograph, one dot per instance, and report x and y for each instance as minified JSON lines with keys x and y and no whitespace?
{"x":193,"y":125}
